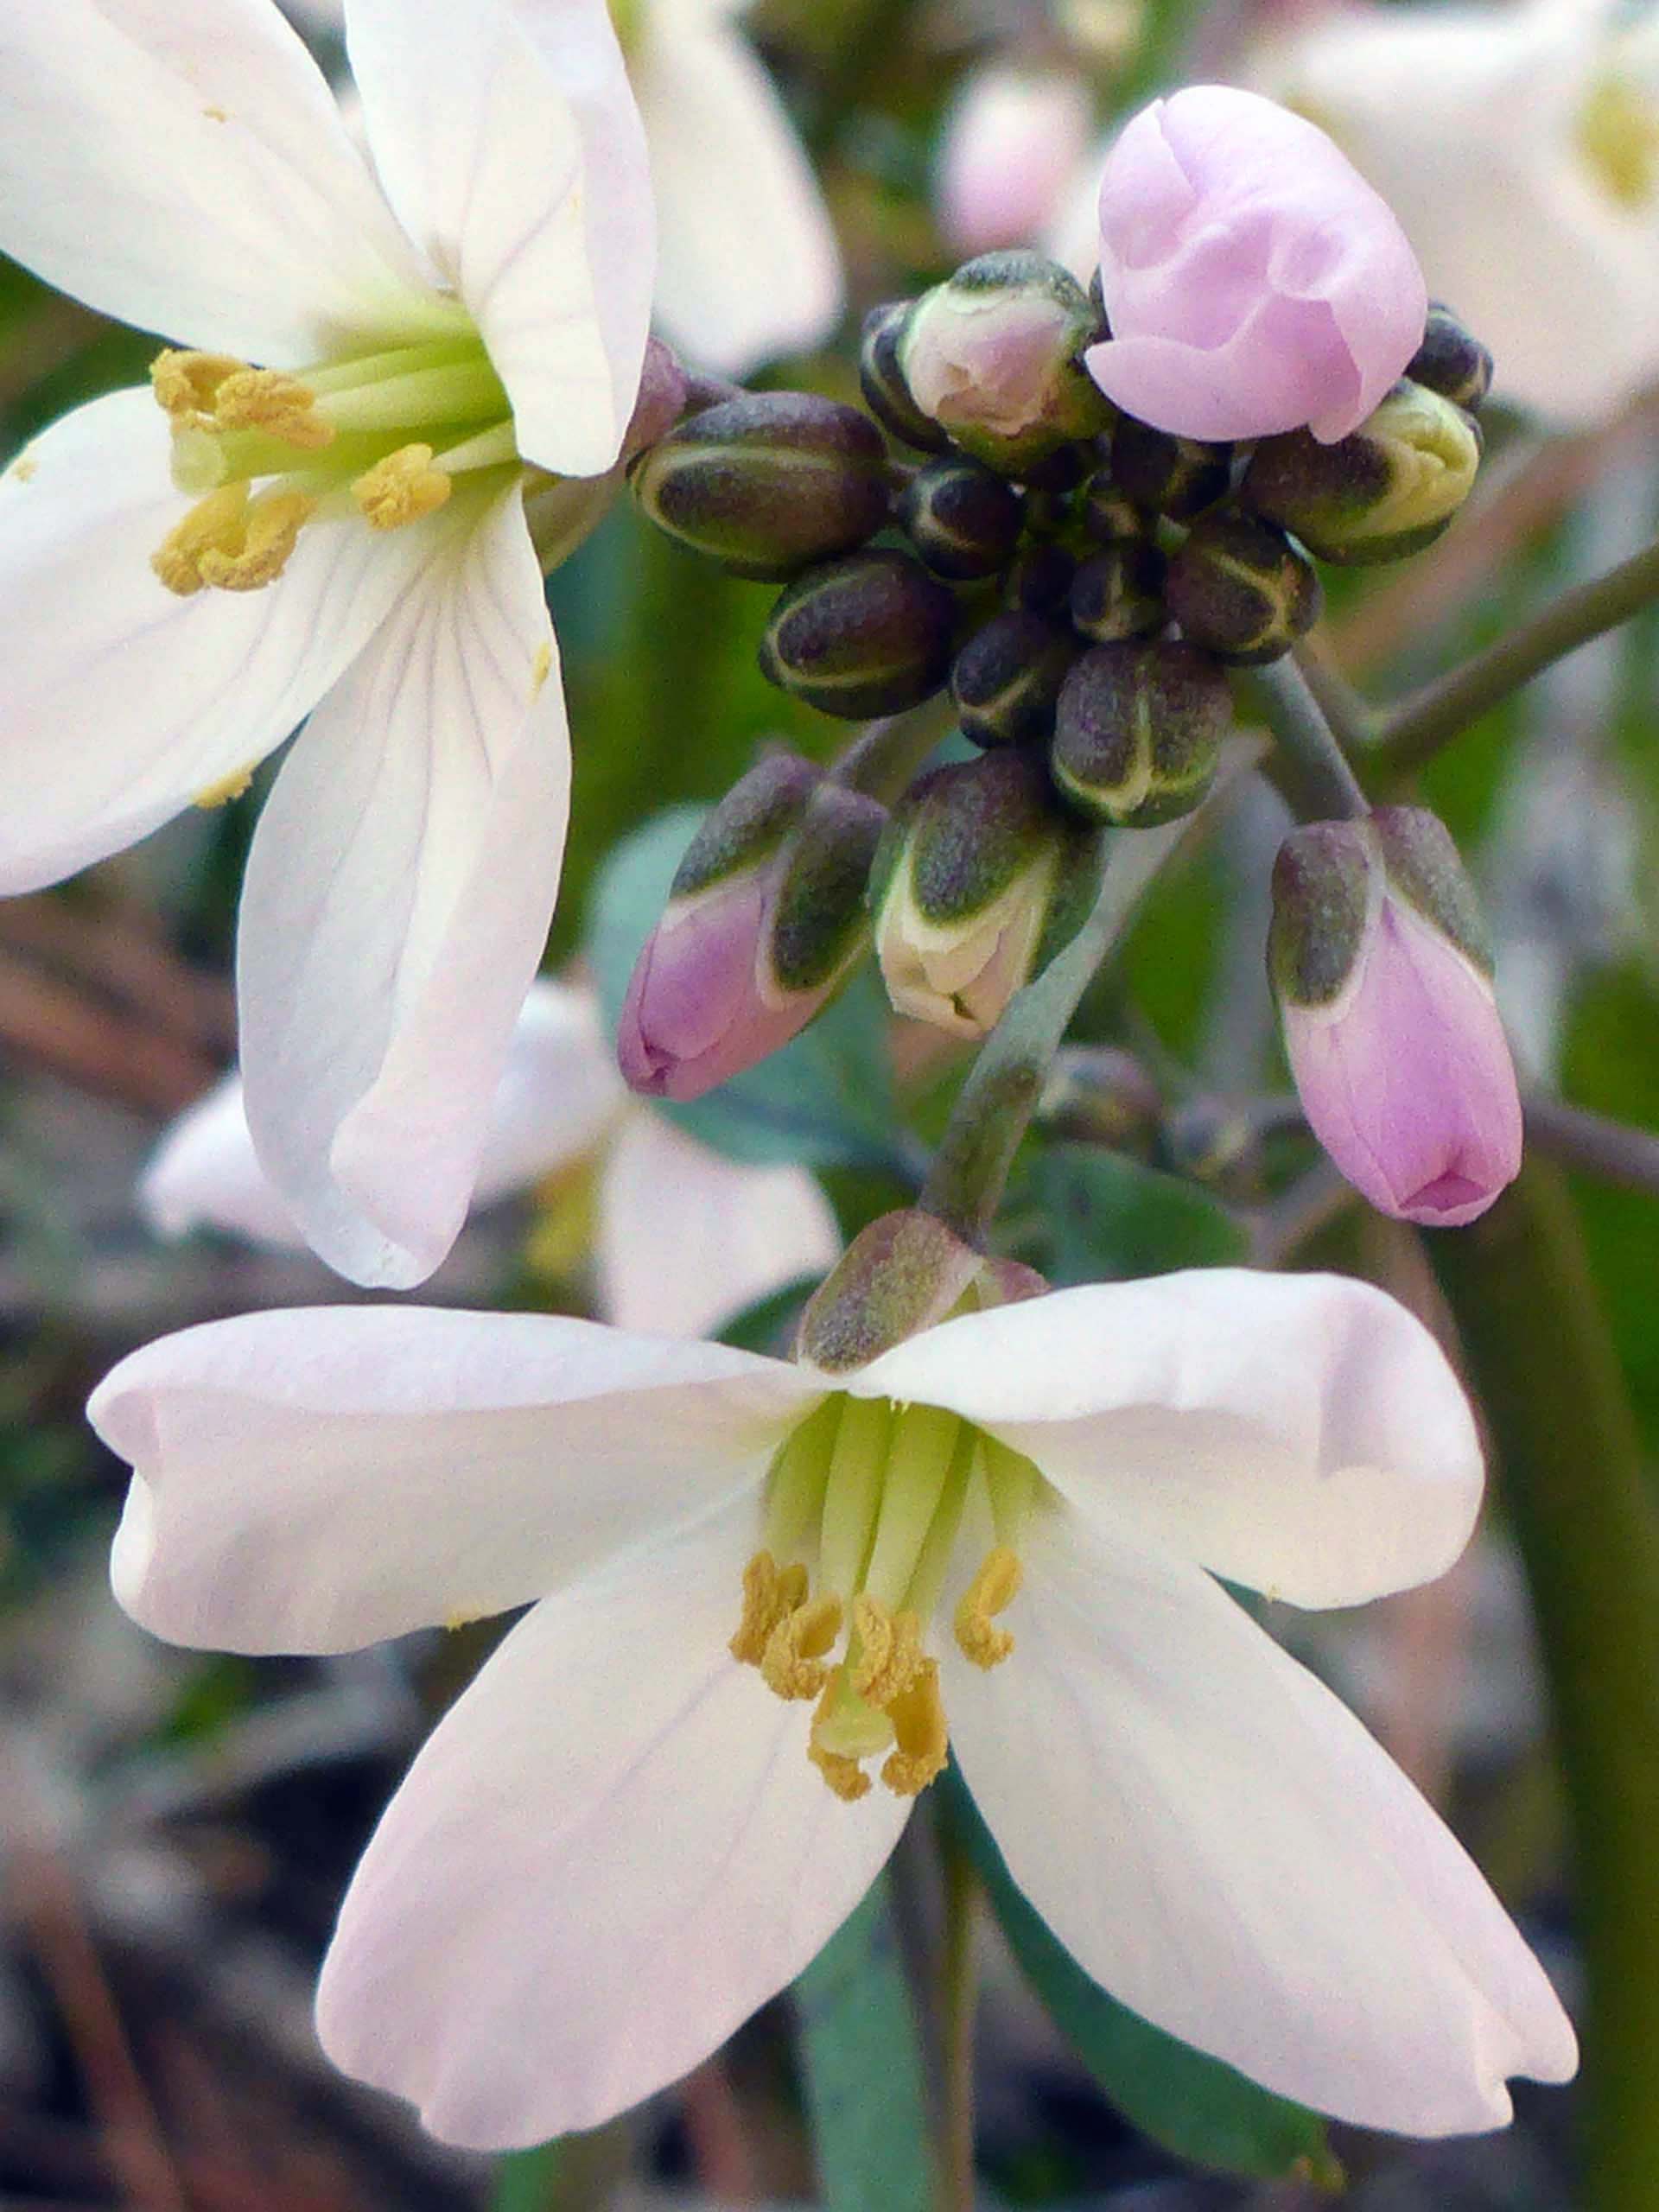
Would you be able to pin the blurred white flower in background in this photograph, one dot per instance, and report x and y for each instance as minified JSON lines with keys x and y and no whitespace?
{"x":684,"y":1237}
{"x":1012,"y":144}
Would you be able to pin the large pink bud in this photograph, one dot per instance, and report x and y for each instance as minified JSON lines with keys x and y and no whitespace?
{"x":1392,"y":1030}
{"x":1254,"y":281}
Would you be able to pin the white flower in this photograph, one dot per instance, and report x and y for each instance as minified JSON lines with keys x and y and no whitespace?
{"x":620,"y":1840}
{"x":1519,"y":147}
{"x":685,"y":1237}
{"x":341,"y":529}
{"x":1012,"y":142}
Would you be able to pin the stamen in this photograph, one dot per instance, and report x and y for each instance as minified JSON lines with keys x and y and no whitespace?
{"x":792,"y":1665}
{"x":272,"y":401}
{"x":186,"y":384}
{"x":770,"y":1595}
{"x":922,"y":1744}
{"x":994,"y":1587}
{"x":212,"y":521}
{"x":844,"y":1732}
{"x":401,"y":488}
{"x":889,"y":1651}
{"x":227,"y":789}
{"x":270,"y":527}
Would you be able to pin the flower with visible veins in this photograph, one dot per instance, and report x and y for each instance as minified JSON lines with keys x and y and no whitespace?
{"x":684,"y":1237}
{"x":763,"y":1595}
{"x":396,"y":403}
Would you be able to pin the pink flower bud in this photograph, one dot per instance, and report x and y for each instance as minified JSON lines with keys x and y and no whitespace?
{"x":1390,"y":1024}
{"x":1011,"y":144}
{"x":1254,"y":281}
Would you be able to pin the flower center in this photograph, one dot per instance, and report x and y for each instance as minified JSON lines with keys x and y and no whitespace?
{"x":380,"y":437}
{"x":864,"y":1500}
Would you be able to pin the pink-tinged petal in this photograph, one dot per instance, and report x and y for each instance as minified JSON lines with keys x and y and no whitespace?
{"x":397,"y":904}
{"x":687,"y":1238}
{"x":1302,"y":1434}
{"x":749,"y":268}
{"x":1012,"y":141}
{"x":1253,"y":280}
{"x":1407,"y":1082}
{"x":167,"y":698}
{"x":508,"y":141}
{"x":611,"y":1851}
{"x":1223,"y":1847}
{"x":695,"y":1014}
{"x":315,"y":1481}
{"x":184,"y":168}
{"x":205,"y":1173}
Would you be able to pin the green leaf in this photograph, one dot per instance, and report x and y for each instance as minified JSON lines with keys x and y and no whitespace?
{"x":824,"y":1101}
{"x":1192,"y":2104}
{"x":1113,"y":1219}
{"x":861,"y":2053}
{"x":524,"y":2180}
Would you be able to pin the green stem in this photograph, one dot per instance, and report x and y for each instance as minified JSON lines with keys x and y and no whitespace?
{"x":1613,"y":1150}
{"x":1307,"y":763}
{"x":883,"y":760}
{"x":1410,"y":734}
{"x":1570,"y":1464}
{"x":960,"y":1995}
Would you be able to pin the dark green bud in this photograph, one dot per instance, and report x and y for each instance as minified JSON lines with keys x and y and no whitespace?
{"x":1386,"y":491}
{"x":1171,"y":476}
{"x":1061,"y":471}
{"x":819,"y":920}
{"x":1108,"y":512}
{"x":1038,"y":580}
{"x":882,"y":381}
{"x":963,"y":518}
{"x":1120,"y":593}
{"x":1324,"y":892}
{"x":1451,"y":360}
{"x":750,"y":822}
{"x":870,"y":634}
{"x":1240,"y":589}
{"x":1006,"y":679}
{"x":1139,"y":732}
{"x":768,"y":484}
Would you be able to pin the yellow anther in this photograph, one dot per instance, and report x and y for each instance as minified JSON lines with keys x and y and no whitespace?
{"x":921,"y":1741}
{"x":771,"y":1594}
{"x":540,"y":669}
{"x":994,"y":1587}
{"x":792,"y":1664}
{"x":842,"y":1773}
{"x":187,"y":383}
{"x":217,"y":520}
{"x":272,"y":401}
{"x":269,"y":528}
{"x":227,"y":788}
{"x":401,"y":488}
{"x":889,"y":1648}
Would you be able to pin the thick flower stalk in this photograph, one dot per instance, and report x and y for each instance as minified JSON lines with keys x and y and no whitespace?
{"x":398,"y":394}
{"x":682,"y":1237}
{"x":764,"y":1598}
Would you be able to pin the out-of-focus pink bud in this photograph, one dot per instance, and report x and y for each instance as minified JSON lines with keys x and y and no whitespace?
{"x":1254,"y":281}
{"x":764,"y":920}
{"x":1390,"y":1025}
{"x":1012,"y":142}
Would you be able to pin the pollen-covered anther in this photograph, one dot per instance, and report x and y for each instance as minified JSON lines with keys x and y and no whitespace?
{"x":921,"y":1740}
{"x":215,"y":521}
{"x":256,"y":553}
{"x":272,"y":401}
{"x":889,"y":1647}
{"x":771,"y":1594}
{"x":992,"y":1590}
{"x":793,"y":1663}
{"x":401,"y":488}
{"x":187,"y":383}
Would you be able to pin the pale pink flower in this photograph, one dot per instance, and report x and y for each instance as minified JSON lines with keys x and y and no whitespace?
{"x":1012,"y":140}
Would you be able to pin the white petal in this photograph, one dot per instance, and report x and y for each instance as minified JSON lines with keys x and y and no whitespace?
{"x":1225,"y":1848}
{"x":508,"y":140}
{"x":183,"y":167}
{"x":397,"y":903}
{"x":123,"y":702}
{"x":686,"y":1237}
{"x":611,"y":1851}
{"x":749,"y":268}
{"x":205,"y":1172}
{"x":1303,"y":1434}
{"x":314,"y":1481}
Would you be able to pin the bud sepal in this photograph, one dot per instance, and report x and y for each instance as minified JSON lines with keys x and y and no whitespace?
{"x":1385,"y":492}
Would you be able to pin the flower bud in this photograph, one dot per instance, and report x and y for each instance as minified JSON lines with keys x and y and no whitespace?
{"x":1109,"y":514}
{"x":1378,"y":961}
{"x":1038,"y":580}
{"x":1120,"y":593}
{"x":980,"y":881}
{"x":868,"y":634}
{"x":882,"y":381}
{"x":1138,"y":736}
{"x":1381,"y":493}
{"x":963,"y":519}
{"x":993,"y":355}
{"x":1012,"y":141}
{"x":906,"y":1272}
{"x":1006,"y":679}
{"x":1450,"y":360}
{"x":1254,"y":281}
{"x":1167,"y":475}
{"x":1239,"y":588}
{"x":764,"y":916}
{"x":768,"y":483}
{"x":1102,"y":1095}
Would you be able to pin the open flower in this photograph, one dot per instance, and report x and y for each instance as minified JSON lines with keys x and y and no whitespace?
{"x":354,"y":529}
{"x":765,"y":1594}
{"x":684,"y":1237}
